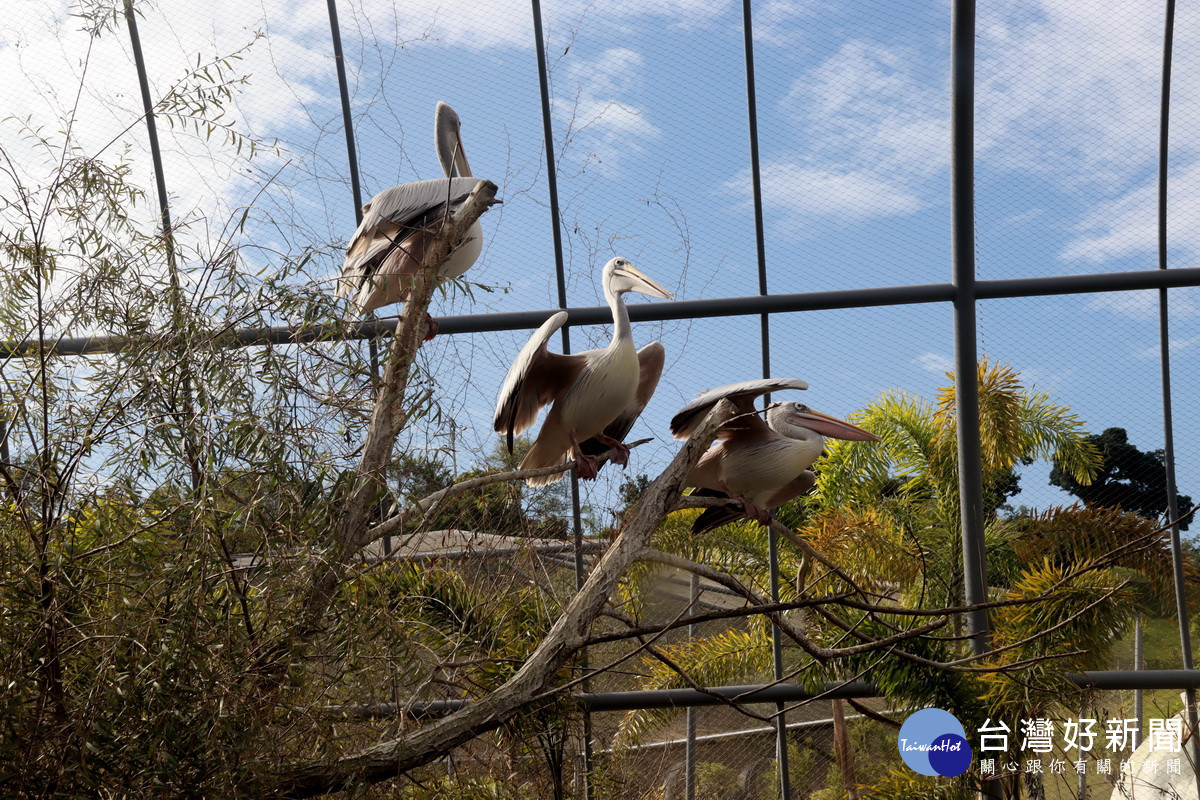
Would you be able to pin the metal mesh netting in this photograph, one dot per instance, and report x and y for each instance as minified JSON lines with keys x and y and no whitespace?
{"x":649,"y":116}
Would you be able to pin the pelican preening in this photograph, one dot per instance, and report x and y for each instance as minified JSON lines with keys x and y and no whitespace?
{"x":398,"y":225}
{"x":762,"y":464}
{"x":597,"y":394}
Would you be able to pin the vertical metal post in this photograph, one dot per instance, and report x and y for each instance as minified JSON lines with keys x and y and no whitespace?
{"x":962,"y":220}
{"x":1181,"y":610}
{"x":168,"y":231}
{"x":689,"y":752}
{"x":1138,"y":658}
{"x":781,"y":750}
{"x":560,"y":274}
{"x":339,"y":60}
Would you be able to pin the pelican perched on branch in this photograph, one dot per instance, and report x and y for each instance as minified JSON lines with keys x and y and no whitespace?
{"x":762,"y":464}
{"x":399,"y":223}
{"x":597,"y":394}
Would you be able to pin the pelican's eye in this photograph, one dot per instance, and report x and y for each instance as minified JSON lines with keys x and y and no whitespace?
{"x":801,"y":408}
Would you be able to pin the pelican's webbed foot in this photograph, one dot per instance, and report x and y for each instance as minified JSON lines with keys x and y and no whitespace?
{"x":760,"y":515}
{"x":619,"y":451}
{"x":431,"y":327}
{"x":586,"y":467}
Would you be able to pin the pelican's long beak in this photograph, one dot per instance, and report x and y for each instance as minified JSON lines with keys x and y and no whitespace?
{"x":643,"y":283}
{"x":460,"y":159}
{"x":833,"y":427}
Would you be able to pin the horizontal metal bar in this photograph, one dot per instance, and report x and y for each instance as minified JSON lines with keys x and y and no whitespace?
{"x":719,"y":695}
{"x":680,"y":309}
{"x":727,"y":735}
{"x":1107,"y":680}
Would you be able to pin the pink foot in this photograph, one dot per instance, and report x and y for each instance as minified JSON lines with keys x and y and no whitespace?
{"x":760,"y":515}
{"x":618,"y":450}
{"x":588,"y":467}
{"x":431,"y":327}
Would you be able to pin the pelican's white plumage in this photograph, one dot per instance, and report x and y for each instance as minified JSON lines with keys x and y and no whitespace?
{"x":596,"y":394}
{"x":762,"y":463}
{"x":398,"y":225}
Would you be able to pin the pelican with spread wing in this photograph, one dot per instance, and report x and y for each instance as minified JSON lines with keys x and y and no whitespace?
{"x":764,"y":464}
{"x":596,"y":395}
{"x":399,"y":224}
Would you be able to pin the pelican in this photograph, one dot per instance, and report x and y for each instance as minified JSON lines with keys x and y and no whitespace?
{"x":597,"y":394}
{"x":398,"y":225}
{"x":762,"y":464}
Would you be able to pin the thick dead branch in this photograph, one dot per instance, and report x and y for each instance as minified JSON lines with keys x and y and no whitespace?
{"x":387,"y":420}
{"x":568,"y":634}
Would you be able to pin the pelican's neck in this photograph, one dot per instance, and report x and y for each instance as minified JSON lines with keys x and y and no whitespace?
{"x":804,"y":446}
{"x":622,"y":332}
{"x":799,"y":433}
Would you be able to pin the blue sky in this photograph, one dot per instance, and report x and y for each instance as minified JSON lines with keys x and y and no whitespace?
{"x":650,"y":131}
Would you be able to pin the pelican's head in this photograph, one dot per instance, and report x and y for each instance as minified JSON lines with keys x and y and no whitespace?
{"x":447,"y":134}
{"x":795,"y":419}
{"x":620,"y":276}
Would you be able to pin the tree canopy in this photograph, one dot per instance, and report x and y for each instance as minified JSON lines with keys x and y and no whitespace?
{"x":1129,"y":478}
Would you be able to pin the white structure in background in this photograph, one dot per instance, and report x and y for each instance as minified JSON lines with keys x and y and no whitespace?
{"x":1160,"y":767}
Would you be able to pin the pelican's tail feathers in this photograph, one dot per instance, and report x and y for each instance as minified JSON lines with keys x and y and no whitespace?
{"x":544,"y":454}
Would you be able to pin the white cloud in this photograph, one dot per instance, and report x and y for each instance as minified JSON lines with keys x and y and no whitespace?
{"x":1070,"y":93}
{"x":603,"y":124}
{"x":871,"y":136}
{"x":784,"y":23}
{"x":1173,"y":346}
{"x":934,"y":362}
{"x":807,"y":195}
{"x":1143,"y":305}
{"x":1063,"y":93}
{"x":1128,"y":224}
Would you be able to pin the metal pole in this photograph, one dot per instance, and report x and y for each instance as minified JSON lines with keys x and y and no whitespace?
{"x":1181,"y":610}
{"x":884,"y":296}
{"x":781,"y":751}
{"x":168,"y":232}
{"x":561,"y":278}
{"x":1138,"y":709}
{"x":689,"y":751}
{"x":339,"y":60}
{"x":962,"y":214}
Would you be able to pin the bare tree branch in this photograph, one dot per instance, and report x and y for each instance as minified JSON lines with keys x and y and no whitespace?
{"x":568,"y":634}
{"x":387,"y":420}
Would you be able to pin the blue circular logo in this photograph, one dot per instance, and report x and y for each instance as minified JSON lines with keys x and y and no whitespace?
{"x":932,"y":742}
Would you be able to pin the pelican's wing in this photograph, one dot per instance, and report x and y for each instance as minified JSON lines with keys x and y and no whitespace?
{"x":742,"y":396}
{"x":650,"y":361}
{"x":535,"y":379}
{"x":390,"y":216}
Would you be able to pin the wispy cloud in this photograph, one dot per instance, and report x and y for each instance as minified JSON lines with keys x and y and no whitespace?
{"x":1143,"y":305}
{"x":870,"y":133}
{"x":934,"y":362}
{"x":604,"y":124}
{"x":1173,"y":346}
{"x":807,"y":195}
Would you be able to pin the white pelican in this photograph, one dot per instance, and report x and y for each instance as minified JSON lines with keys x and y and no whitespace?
{"x":597,"y":394}
{"x":398,"y":225}
{"x":762,"y":464}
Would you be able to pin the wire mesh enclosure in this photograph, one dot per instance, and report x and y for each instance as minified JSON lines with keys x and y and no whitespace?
{"x":875,"y":198}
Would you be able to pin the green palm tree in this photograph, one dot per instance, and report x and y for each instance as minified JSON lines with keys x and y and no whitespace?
{"x":888,"y":515}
